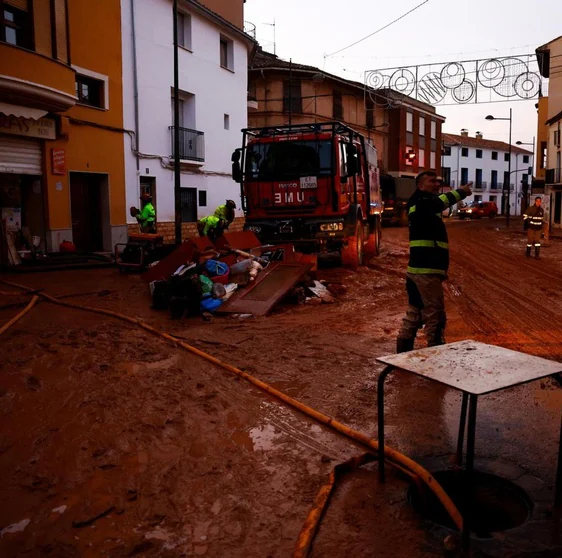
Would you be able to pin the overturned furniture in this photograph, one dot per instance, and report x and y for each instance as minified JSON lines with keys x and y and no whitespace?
{"x":139,"y":251}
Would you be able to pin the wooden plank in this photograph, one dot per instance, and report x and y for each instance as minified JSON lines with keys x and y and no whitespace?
{"x":270,"y":286}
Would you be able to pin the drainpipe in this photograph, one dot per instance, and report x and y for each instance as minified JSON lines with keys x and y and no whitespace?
{"x":135,"y":86}
{"x":177,"y":168}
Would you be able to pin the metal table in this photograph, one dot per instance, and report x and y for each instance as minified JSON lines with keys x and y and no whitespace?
{"x":474,"y":369}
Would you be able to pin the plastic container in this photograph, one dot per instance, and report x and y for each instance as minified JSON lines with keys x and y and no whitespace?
{"x":208,"y":303}
{"x":221,"y":278}
{"x":216,"y":268}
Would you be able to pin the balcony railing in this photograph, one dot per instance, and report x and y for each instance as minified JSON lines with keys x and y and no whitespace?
{"x":192,"y":144}
{"x":553,"y":176}
{"x":480,"y":186}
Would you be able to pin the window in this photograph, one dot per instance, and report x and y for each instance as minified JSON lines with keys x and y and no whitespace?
{"x":369,"y":114}
{"x":90,"y":91}
{"x":506,"y":157}
{"x":432,"y":160}
{"x":421,"y":157}
{"x":526,"y":159}
{"x":422,"y":126}
{"x":292,"y":99}
{"x":202,"y":198}
{"x":506,"y":179}
{"x":525,"y":179}
{"x":433,"y":129}
{"x":446,"y":172}
{"x":227,"y":122}
{"x":464,"y":176}
{"x":477,"y":199}
{"x":479,"y":154}
{"x":494,"y":179}
{"x":337,"y":105}
{"x":409,"y":122}
{"x":478,"y":177}
{"x":184,"y":31}
{"x":447,"y":150}
{"x":226,"y":53}
{"x":542,"y":163}
{"x":464,"y":152}
{"x":17,"y":24}
{"x":494,"y":155}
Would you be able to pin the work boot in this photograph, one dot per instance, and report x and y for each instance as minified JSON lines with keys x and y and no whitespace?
{"x":403,"y":345}
{"x":528,"y":254}
{"x":538,"y":253}
{"x":437,"y":339}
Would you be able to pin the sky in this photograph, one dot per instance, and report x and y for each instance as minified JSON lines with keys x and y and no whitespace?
{"x":308,"y":31}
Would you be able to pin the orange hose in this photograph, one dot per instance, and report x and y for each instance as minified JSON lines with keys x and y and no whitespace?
{"x":31,"y":304}
{"x":392,"y":455}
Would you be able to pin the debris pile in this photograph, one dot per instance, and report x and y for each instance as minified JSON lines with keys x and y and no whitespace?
{"x":237,"y":275}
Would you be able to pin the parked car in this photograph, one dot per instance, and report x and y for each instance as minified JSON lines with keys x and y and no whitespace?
{"x":477,"y":210}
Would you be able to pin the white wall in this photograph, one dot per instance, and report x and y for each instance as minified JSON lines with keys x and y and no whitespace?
{"x":456,"y":162}
{"x":217,"y":92}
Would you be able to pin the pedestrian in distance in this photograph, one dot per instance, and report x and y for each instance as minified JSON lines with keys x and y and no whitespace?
{"x":533,"y":222}
{"x":429,"y":261}
{"x":146,"y":217}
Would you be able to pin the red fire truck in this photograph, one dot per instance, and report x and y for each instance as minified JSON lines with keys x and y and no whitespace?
{"x":313,"y":185}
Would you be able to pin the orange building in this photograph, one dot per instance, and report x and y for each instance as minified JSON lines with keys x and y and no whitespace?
{"x":61,"y":121}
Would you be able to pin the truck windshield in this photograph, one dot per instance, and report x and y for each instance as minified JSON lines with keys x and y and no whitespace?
{"x":288,"y":159}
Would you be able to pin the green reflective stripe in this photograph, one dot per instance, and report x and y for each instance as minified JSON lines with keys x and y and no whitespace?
{"x":428,"y":244}
{"x":444,"y":199}
{"x":425,"y":271}
{"x":457,"y":195}
{"x":412,"y":209}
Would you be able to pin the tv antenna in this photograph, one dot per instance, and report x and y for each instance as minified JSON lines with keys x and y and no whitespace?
{"x":274,"y":41}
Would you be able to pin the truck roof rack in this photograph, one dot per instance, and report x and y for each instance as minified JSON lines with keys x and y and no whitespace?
{"x":313,"y":127}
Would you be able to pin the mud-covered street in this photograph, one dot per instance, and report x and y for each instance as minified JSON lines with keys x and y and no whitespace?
{"x":114,"y":442}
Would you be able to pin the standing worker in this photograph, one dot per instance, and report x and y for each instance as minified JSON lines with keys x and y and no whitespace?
{"x":146,"y":217}
{"x":226,"y":212}
{"x":533,"y":221}
{"x":429,"y":261}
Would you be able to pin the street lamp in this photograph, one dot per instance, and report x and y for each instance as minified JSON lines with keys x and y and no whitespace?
{"x":506,"y":199}
{"x":526,"y":186}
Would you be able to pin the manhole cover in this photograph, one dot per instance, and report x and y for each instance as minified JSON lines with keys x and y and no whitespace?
{"x":498,"y":503}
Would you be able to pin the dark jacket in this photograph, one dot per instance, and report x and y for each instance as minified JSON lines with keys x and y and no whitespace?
{"x":535,"y":216}
{"x":429,"y":243}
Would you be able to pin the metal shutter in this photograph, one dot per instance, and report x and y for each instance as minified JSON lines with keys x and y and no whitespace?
{"x":20,"y":156}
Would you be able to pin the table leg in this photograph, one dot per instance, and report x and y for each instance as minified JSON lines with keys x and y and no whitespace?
{"x":558,"y":489}
{"x":468,"y":494}
{"x":380,"y":411}
{"x":462,"y":426}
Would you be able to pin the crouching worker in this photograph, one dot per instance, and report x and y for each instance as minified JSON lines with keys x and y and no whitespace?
{"x":226,"y":212}
{"x":146,"y":216}
{"x":211,"y":226}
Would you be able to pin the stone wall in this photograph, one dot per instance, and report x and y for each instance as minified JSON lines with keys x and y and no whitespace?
{"x":188,"y":229}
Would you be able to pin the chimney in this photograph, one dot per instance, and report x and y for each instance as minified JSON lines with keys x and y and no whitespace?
{"x":479,"y":135}
{"x":464,"y":133}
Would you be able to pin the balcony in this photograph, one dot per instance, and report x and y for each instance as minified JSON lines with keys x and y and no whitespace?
{"x":192,"y":145}
{"x":480,"y":186}
{"x":34,"y":80}
{"x":553,"y":176}
{"x":495,"y":187}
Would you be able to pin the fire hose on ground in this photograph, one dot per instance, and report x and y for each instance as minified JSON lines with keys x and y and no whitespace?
{"x":396,"y":459}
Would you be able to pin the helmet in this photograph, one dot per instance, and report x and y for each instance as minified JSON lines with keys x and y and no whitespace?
{"x":145,"y":197}
{"x":230,"y":204}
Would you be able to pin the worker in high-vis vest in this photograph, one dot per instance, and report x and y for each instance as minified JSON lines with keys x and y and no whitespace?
{"x":211,"y":226}
{"x":533,"y":220}
{"x":226,"y":212}
{"x":429,"y":261}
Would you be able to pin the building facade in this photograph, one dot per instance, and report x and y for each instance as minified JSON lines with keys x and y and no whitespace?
{"x":551,"y":127}
{"x":61,"y":122}
{"x":213,"y":72}
{"x":485,"y":163}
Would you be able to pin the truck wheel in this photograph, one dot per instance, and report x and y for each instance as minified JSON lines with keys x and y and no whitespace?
{"x":373,"y":244}
{"x":352,"y":254}
{"x":403,"y":221}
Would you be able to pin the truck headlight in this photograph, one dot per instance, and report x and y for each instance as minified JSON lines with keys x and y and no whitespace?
{"x":469,"y":210}
{"x":328,"y":227}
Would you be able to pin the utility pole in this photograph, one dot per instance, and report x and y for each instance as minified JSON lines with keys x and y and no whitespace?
{"x":177,"y":167}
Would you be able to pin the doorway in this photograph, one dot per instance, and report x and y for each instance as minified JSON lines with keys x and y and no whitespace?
{"x":89,"y":206}
{"x":557,"y":208}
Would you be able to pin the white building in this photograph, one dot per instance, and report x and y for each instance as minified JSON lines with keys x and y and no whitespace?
{"x":485,"y":163}
{"x":213,"y":76}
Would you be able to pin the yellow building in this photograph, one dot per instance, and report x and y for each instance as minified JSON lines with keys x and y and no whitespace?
{"x":61,"y":121}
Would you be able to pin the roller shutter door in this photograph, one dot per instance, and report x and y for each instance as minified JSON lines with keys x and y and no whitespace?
{"x":20,"y":156}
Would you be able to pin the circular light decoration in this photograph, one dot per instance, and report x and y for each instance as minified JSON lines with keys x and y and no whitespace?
{"x":513,"y":68}
{"x":452,"y":75}
{"x":376,"y":80}
{"x":527,"y":85}
{"x":491,"y":73}
{"x":464,"y":92}
{"x":403,"y":81}
{"x":431,"y":88}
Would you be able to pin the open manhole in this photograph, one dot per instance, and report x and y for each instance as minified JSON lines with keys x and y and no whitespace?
{"x":499,"y":504}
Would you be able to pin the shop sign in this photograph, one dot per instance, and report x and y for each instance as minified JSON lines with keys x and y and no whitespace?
{"x":44,"y":128}
{"x":59,"y":161}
